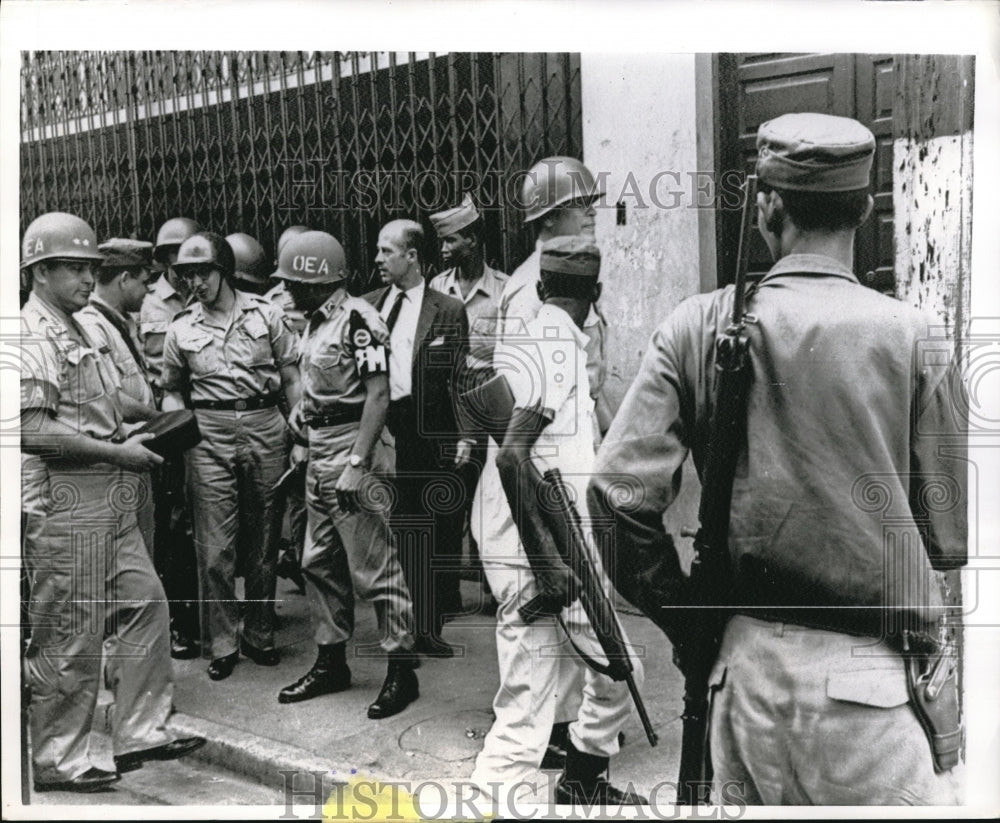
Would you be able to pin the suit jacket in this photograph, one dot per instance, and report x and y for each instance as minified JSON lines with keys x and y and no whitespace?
{"x":440,"y":348}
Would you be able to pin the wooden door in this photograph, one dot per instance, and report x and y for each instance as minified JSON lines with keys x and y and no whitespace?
{"x":754,"y":88}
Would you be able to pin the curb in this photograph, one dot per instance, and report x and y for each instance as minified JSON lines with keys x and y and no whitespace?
{"x":258,"y":758}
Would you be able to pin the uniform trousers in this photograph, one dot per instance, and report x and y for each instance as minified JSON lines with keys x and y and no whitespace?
{"x":91,"y":578}
{"x":805,"y":716}
{"x":231,"y":477}
{"x":538,"y":667}
{"x":350,"y":553}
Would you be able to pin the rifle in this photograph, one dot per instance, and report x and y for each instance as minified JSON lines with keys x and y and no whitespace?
{"x":564,"y":522}
{"x":710,"y":581}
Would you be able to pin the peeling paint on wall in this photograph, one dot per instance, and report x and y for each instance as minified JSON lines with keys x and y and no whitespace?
{"x":933,"y":230}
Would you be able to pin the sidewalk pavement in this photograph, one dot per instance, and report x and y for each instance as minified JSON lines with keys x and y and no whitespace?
{"x":436,"y":737}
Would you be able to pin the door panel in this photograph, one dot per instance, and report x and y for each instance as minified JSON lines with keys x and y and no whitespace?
{"x":754,"y":88}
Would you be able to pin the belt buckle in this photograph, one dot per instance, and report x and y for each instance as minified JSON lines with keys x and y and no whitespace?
{"x":240,"y":405}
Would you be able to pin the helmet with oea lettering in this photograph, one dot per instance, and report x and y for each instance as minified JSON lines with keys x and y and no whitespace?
{"x":312,"y":257}
{"x":58,"y":236}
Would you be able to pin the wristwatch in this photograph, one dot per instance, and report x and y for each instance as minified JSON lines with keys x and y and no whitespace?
{"x":356,"y":461}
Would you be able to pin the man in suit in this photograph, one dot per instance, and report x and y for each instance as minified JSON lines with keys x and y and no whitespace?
{"x":427,"y":349}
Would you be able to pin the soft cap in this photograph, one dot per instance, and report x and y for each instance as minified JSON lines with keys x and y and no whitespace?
{"x":454,"y":220}
{"x":123,"y":253}
{"x":814,"y":152}
{"x":572,"y":254}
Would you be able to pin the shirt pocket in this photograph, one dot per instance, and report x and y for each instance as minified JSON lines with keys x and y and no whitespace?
{"x":83,"y":377}
{"x":201,"y":356}
{"x":254,"y":334}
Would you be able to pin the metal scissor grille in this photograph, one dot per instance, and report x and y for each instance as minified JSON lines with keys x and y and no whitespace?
{"x":257,"y":141}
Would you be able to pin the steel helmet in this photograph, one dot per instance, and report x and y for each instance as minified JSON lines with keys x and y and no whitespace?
{"x":172,"y":233}
{"x":205,"y":248}
{"x":554,"y":181}
{"x":250,"y":257}
{"x":58,"y":235}
{"x":286,"y":235}
{"x":312,"y":257}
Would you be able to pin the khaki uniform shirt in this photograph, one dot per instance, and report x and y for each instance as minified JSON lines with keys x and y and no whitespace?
{"x":344,"y":342}
{"x":282,"y":298}
{"x":130,"y":373}
{"x":160,"y":306}
{"x":73,"y":383}
{"x":852,"y":429}
{"x":482,"y":306}
{"x":239,"y":358}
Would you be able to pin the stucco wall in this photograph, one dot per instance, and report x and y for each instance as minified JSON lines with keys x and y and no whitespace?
{"x":640,"y":114}
{"x":639,"y":130}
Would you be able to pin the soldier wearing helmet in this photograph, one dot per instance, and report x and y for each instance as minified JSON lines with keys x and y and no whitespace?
{"x":231,"y":354}
{"x":290,"y":557}
{"x":168,"y":294}
{"x":278,"y":293}
{"x":174,"y":548}
{"x":76,"y":462}
{"x":345,"y":397}
{"x":251,"y":263}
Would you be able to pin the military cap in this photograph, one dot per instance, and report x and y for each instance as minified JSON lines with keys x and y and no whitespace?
{"x":453,"y":220}
{"x":122,"y":253}
{"x":814,"y":152}
{"x":571,"y":254}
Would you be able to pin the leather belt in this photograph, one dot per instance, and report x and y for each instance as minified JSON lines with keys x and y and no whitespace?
{"x":261,"y":401}
{"x":345,"y":414}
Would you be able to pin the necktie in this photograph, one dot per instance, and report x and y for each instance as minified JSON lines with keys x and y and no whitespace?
{"x":390,"y":321}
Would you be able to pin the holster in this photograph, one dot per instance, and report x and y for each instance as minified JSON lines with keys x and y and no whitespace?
{"x":932,"y":681}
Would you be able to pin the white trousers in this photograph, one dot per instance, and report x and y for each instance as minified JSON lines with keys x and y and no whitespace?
{"x":539,"y":671}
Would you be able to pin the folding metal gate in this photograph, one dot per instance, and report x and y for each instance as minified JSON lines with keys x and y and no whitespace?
{"x":257,"y":141}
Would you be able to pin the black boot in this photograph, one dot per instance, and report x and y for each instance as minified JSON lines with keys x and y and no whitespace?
{"x":328,"y":675}
{"x":583,"y":782}
{"x":399,"y":690}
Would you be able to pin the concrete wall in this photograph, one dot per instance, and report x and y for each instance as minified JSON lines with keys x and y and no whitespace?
{"x":639,"y":124}
{"x":642,"y":115}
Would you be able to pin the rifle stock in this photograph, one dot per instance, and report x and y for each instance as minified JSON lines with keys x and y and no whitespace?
{"x":709,"y":583}
{"x":600,"y":611}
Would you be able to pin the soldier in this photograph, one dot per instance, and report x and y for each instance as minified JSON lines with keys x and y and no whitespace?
{"x":167,"y":296}
{"x":251,"y":263}
{"x":122,"y":283}
{"x":173,"y":545}
{"x":233,"y":356}
{"x":79,"y":490}
{"x":279,"y":293}
{"x":552,"y":427}
{"x":810,"y":698}
{"x":479,"y":287}
{"x":290,"y":556}
{"x":345,"y":396}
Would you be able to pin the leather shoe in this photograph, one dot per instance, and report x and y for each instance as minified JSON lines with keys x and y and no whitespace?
{"x":399,"y":690}
{"x":183,"y":648}
{"x":315,"y":682}
{"x":168,"y":751}
{"x":92,"y":780}
{"x":431,"y":646}
{"x":222,"y":667}
{"x":262,"y":657}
